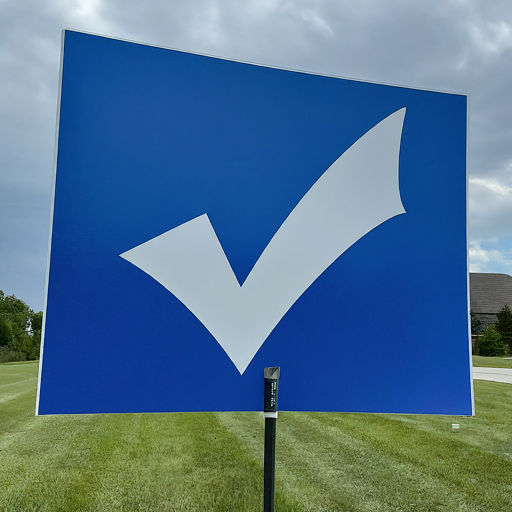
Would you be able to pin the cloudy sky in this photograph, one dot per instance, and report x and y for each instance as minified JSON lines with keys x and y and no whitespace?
{"x":449,"y":45}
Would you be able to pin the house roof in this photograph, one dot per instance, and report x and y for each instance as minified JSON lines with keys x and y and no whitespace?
{"x":489,"y":292}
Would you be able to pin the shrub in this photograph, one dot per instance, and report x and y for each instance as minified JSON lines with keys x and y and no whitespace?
{"x":490,"y":343}
{"x":8,"y":355}
{"x":504,"y":326}
{"x":476,"y":324}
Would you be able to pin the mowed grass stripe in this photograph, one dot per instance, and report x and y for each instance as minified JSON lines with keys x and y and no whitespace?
{"x":346,"y":473}
{"x":322,"y":464}
{"x":393,"y":462}
{"x":404,"y":469}
{"x":130,"y":462}
{"x":213,"y":461}
{"x":119,"y":462}
{"x":249,"y":428}
{"x":179,"y":462}
{"x":491,"y":362}
{"x":17,"y":399}
{"x":17,"y":379}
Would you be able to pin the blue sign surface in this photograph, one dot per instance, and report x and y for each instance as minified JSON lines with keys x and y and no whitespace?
{"x":212,"y":218}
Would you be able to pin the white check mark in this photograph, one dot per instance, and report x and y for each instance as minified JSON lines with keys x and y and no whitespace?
{"x":357,"y":193}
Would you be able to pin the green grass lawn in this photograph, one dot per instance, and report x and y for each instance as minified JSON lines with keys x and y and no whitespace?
{"x":492,"y":362}
{"x":213,"y":461}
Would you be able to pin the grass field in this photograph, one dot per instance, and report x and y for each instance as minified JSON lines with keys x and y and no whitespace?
{"x":213,"y":461}
{"x":492,"y":362}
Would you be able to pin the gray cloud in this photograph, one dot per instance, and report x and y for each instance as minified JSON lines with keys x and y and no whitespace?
{"x":458,"y":45}
{"x":490,"y":209}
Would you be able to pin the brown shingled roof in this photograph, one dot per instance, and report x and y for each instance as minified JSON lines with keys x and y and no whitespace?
{"x":489,"y":292}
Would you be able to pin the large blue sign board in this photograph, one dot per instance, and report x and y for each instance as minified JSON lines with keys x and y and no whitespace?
{"x":212,"y":218}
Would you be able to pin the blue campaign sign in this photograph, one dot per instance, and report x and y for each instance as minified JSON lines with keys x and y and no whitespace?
{"x":212,"y":218}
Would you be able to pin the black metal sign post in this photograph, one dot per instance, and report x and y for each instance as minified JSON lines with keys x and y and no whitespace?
{"x":270,"y":414}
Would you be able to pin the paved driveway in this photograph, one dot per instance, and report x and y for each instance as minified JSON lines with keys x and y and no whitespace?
{"x":494,"y":374}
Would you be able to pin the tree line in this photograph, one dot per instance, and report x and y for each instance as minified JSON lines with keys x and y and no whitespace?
{"x":495,"y":339}
{"x":20,"y":330}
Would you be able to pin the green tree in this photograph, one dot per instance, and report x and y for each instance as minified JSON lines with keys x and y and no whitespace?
{"x":36,"y":325}
{"x":5,"y":331}
{"x":20,"y":327}
{"x":490,"y":343}
{"x":476,"y":324}
{"x":504,"y":325}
